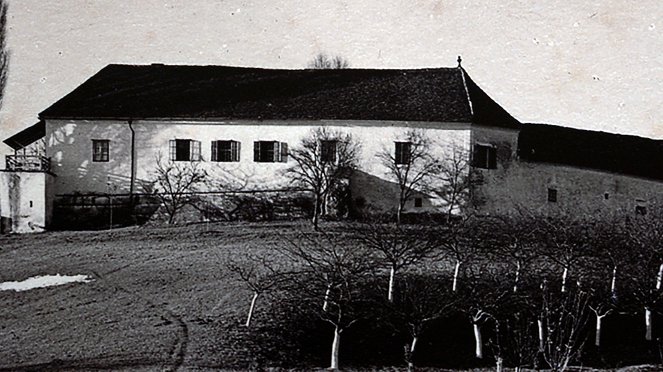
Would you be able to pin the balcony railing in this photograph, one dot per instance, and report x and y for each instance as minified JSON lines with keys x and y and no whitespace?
{"x":28,"y":163}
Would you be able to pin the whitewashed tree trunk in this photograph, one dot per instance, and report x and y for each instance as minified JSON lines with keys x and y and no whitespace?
{"x":648,"y":324}
{"x":498,"y":364}
{"x":325,"y":304}
{"x":515,"y":282}
{"x":659,"y":277}
{"x":335,"y":348}
{"x":253,"y":306}
{"x":414,"y":344}
{"x":478,"y":343}
{"x":456,"y":270}
{"x":613,"y":284}
{"x":564,"y":275}
{"x":541,"y":344}
{"x":392,"y":274}
{"x":597,"y":338}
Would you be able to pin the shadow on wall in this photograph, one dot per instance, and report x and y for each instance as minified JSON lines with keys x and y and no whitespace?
{"x":374,"y":195}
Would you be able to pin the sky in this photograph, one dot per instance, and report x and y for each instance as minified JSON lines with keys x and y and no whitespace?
{"x":594,"y":65}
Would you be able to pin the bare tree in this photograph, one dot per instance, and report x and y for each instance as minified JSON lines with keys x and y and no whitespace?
{"x":411,"y":165}
{"x":259,"y":272}
{"x":484,"y":292}
{"x":4,"y":53}
{"x":423,"y":299}
{"x":174,"y":183}
{"x":565,"y":315}
{"x":397,"y":247}
{"x":322,"y":160}
{"x":323,"y":61}
{"x":459,"y":243}
{"x":644,"y":272}
{"x":455,"y":183}
{"x":566,"y":241}
{"x":333,"y":272}
{"x":512,"y":240}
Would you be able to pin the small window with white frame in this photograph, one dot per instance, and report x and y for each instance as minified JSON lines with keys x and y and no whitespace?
{"x":100,"y":150}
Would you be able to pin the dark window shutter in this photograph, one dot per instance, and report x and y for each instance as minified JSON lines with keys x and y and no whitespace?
{"x":256,"y":151}
{"x":492,"y":158}
{"x":284,"y":152}
{"x":215,"y":149}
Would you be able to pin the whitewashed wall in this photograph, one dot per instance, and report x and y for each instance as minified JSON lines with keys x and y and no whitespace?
{"x":69,"y":144}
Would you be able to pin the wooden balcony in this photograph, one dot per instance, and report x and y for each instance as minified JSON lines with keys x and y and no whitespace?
{"x":32,"y":163}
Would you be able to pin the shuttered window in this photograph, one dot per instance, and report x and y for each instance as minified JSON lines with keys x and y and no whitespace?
{"x":402,"y":152}
{"x":225,"y":151}
{"x":270,"y":152}
{"x":484,"y":156}
{"x":184,"y":150}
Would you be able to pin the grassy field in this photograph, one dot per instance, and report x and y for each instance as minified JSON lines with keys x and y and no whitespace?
{"x":161,"y":299}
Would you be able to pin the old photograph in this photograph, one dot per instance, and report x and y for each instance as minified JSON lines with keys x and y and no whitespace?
{"x":285,"y":185}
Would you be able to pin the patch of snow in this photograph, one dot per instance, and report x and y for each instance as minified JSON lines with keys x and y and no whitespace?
{"x":43,"y":281}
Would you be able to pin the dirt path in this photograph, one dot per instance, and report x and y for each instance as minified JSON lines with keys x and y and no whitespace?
{"x":178,"y":350}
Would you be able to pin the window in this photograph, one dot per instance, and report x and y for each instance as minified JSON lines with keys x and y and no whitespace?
{"x":640,"y":207}
{"x":328,"y":151}
{"x":552,"y":195}
{"x":606,"y":196}
{"x":270,"y":152}
{"x":418,"y":202}
{"x":485,"y":156}
{"x":225,"y":151}
{"x":184,"y":150}
{"x":403,"y":151}
{"x":100,"y":150}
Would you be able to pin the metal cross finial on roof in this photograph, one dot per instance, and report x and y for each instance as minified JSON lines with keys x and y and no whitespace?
{"x":459,"y":61}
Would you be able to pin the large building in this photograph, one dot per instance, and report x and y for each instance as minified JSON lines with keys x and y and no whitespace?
{"x":103,"y":141}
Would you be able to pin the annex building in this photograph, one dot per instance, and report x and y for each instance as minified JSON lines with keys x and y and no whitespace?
{"x":97,"y":148}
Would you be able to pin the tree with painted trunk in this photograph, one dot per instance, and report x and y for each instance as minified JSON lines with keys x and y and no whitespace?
{"x":514,"y":342}
{"x":512,"y":240}
{"x":410,"y":164}
{"x":643,"y":271}
{"x":484,"y":293}
{"x":566,"y":241}
{"x":422,"y":299}
{"x":460,"y":243}
{"x":331,"y":279}
{"x":260,"y":273}
{"x":565,"y":315}
{"x":601,"y":303}
{"x":397,"y":247}
{"x":322,"y":160}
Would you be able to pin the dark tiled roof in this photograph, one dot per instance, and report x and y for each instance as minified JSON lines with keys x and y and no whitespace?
{"x":166,"y":91}
{"x":631,"y":155}
{"x":26,"y":136}
{"x":486,"y":110}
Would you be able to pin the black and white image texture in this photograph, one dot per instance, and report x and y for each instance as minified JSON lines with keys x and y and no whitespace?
{"x":287,"y":185}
